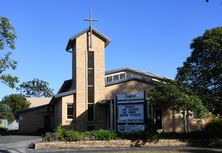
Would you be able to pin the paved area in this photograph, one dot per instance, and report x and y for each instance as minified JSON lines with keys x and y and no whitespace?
{"x":131,"y":150}
{"x":16,"y":143}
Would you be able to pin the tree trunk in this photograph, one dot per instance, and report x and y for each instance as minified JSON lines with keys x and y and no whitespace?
{"x":188,"y":122}
{"x":174,"y":122}
{"x":184,"y":121}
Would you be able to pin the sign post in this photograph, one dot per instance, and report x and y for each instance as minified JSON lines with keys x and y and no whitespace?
{"x":130,"y":112}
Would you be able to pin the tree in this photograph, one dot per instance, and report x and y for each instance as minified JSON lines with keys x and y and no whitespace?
{"x":6,"y":112}
{"x":16,"y":102}
{"x":202,"y":71}
{"x":7,"y":40}
{"x":170,"y":96}
{"x":36,"y":87}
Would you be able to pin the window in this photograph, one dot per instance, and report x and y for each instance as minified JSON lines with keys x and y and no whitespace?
{"x":115,"y":77}
{"x":90,"y":94}
{"x":90,"y":77}
{"x":90,"y":112}
{"x":69,"y":111}
{"x":109,"y":79}
{"x":91,"y":86}
{"x":122,"y":76}
{"x":129,"y":75}
{"x":90,"y":59}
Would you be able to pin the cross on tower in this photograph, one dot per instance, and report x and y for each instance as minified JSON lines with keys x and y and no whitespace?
{"x":90,"y":21}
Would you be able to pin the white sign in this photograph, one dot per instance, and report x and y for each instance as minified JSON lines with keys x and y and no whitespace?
{"x":127,"y":102}
{"x":131,"y":128}
{"x":133,"y":113}
{"x":130,"y":96}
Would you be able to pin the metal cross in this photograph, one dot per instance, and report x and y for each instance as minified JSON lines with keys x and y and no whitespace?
{"x":90,"y":21}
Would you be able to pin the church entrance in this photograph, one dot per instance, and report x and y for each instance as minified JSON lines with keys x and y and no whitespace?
{"x":47,"y":121}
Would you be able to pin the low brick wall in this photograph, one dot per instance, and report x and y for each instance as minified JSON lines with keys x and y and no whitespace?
{"x":109,"y":144}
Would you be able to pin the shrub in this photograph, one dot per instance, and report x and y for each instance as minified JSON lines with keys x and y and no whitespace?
{"x":59,"y":131}
{"x":50,"y":137}
{"x":214,"y":127}
{"x":2,"y":129}
{"x":70,"y":135}
{"x":104,"y":135}
{"x":212,"y":130}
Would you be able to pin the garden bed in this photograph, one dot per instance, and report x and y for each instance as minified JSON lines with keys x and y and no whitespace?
{"x":127,"y":144}
{"x":108,"y":144}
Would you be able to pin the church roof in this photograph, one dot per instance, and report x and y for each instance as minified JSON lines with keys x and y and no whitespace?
{"x":136,"y":71}
{"x":94,"y":30}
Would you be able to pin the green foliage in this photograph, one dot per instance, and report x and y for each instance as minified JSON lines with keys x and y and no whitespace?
{"x":6,"y":112}
{"x":5,"y":108}
{"x":202,"y":70}
{"x":104,"y":135}
{"x":214,"y":127}
{"x":50,"y":137}
{"x":71,"y":135}
{"x":2,"y":129}
{"x":7,"y":34}
{"x":16,"y":102}
{"x":59,"y":131}
{"x":7,"y":40}
{"x":172,"y":96}
{"x":36,"y":87}
{"x":7,"y":115}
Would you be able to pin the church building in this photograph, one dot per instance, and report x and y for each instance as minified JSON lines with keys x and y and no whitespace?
{"x":88,"y":101}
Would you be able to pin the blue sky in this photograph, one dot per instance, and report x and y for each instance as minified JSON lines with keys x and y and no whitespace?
{"x":149,"y":35}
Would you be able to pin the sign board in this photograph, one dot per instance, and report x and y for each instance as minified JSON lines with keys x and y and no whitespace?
{"x":131,"y":128}
{"x":122,"y":97}
{"x":132,"y":113}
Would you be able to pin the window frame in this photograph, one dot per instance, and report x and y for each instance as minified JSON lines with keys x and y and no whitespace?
{"x":68,"y":116}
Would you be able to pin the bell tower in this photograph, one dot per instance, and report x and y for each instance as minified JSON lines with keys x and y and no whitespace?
{"x":88,"y":70}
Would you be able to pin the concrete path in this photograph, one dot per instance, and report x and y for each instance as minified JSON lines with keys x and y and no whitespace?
{"x":16,"y":143}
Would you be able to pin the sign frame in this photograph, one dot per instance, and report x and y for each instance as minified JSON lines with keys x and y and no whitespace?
{"x":130,"y":99}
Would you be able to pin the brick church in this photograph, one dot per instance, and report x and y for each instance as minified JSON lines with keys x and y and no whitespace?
{"x":87,"y":101}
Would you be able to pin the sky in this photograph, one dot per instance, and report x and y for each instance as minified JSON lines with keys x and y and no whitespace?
{"x":148,"y":35}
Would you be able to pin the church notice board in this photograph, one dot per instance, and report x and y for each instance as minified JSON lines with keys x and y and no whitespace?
{"x":130,"y":112}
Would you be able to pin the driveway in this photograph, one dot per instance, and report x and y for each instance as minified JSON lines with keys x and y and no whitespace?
{"x":16,"y":143}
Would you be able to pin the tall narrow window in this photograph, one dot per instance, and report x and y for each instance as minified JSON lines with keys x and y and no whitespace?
{"x":90,"y":59}
{"x":69,"y":111}
{"x":90,"y":86}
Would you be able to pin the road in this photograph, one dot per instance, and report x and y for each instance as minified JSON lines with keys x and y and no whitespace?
{"x":16,"y":143}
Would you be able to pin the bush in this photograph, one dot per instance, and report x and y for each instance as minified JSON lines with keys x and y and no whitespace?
{"x":2,"y":129}
{"x":212,"y":130}
{"x":60,"y":131}
{"x":104,"y":135}
{"x":214,"y":127}
{"x":70,"y":135}
{"x":50,"y":137}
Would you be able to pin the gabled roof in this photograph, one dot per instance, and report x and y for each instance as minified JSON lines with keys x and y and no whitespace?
{"x":67,"y":93}
{"x":94,"y":30}
{"x":136,"y":71}
{"x":66,"y":86}
{"x":66,"y":89}
{"x":32,"y":109}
